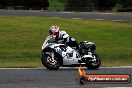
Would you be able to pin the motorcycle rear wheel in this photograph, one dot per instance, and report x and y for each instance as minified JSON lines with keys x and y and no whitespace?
{"x":93,"y":65}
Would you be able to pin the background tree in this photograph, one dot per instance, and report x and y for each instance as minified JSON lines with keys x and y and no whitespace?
{"x":118,"y":5}
{"x":79,"y":5}
{"x":57,"y":5}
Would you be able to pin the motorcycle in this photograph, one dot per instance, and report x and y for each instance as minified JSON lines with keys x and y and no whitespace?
{"x":55,"y":55}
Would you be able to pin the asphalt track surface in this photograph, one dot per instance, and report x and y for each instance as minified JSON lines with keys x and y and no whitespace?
{"x":63,"y":78}
{"x":73,"y":15}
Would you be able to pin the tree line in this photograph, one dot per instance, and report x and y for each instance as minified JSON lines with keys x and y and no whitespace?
{"x":70,"y":5}
{"x":92,"y":5}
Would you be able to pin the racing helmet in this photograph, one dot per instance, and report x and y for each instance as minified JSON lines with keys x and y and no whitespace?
{"x":54,"y":31}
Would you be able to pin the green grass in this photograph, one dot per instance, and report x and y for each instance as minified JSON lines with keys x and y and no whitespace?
{"x":21,"y":38}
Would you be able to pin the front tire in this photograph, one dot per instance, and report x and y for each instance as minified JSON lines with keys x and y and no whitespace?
{"x":47,"y":62}
{"x":93,"y":64}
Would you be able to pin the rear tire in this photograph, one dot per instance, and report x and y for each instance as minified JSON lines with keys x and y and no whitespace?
{"x":93,"y":65}
{"x":48,"y":65}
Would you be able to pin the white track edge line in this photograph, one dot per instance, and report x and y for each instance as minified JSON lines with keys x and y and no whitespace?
{"x":70,"y":67}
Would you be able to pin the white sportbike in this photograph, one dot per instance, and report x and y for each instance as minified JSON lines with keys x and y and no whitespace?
{"x":55,"y":55}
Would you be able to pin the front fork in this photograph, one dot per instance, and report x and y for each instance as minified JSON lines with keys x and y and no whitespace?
{"x":52,"y":56}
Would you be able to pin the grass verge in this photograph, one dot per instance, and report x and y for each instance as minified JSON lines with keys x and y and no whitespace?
{"x":21,"y":38}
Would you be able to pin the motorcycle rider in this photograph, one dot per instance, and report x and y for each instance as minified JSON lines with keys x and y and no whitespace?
{"x":62,"y":36}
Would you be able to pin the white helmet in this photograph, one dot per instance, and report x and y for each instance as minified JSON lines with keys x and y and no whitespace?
{"x":54,"y":31}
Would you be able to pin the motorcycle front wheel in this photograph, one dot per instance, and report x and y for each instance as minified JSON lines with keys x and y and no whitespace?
{"x":49,"y":63}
